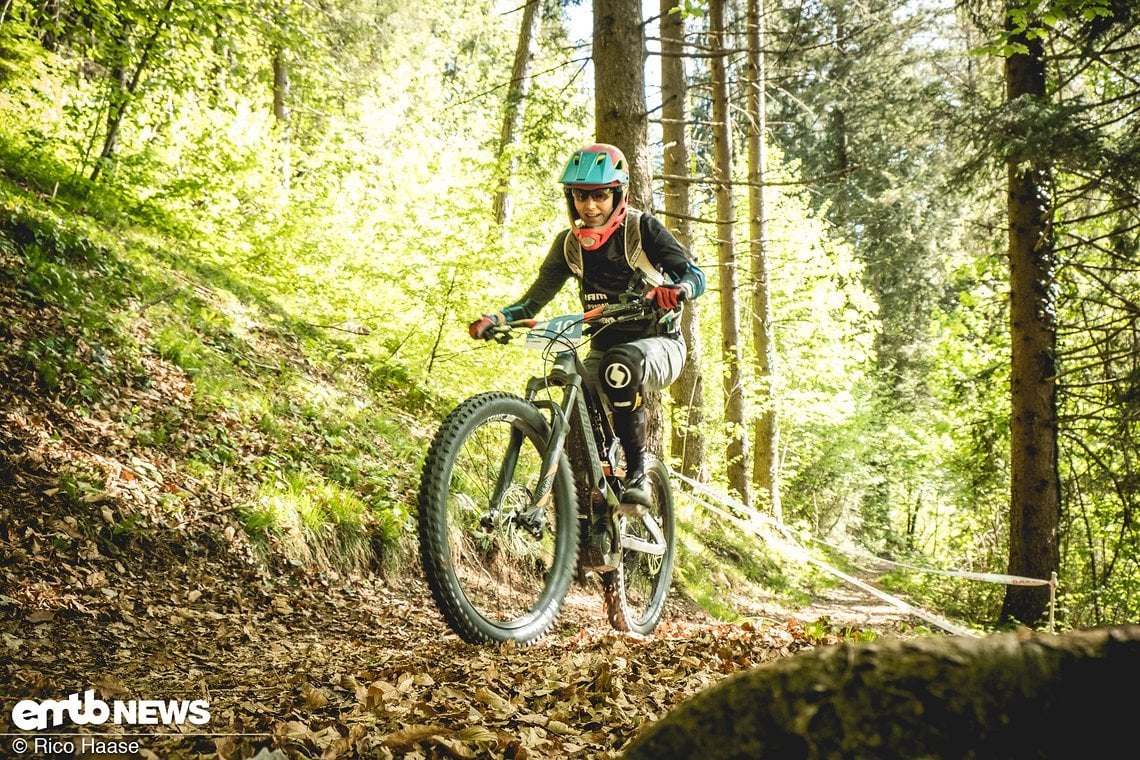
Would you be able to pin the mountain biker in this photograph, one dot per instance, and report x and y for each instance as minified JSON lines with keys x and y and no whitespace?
{"x":607,"y":245}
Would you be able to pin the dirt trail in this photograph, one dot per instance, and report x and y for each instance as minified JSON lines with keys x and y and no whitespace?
{"x":314,"y":665}
{"x":324,"y":668}
{"x":110,"y":591}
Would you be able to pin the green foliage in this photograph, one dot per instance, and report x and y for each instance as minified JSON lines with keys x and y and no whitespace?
{"x":315,"y":522}
{"x":185,"y":351}
{"x":349,"y":510}
{"x":825,"y":334}
{"x":823,"y":631}
{"x":19,"y":55}
{"x":79,"y":484}
{"x":74,"y":347}
{"x":976,"y":604}
{"x":1042,"y":19}
{"x":724,"y":568}
{"x":309,"y":277}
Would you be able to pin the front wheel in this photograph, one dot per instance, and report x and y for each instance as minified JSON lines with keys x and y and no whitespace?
{"x":498,"y":564}
{"x":635,"y":592}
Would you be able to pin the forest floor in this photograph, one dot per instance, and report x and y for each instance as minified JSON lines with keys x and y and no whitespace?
{"x":104,"y":591}
{"x":105,"y":587}
{"x":314,"y":665}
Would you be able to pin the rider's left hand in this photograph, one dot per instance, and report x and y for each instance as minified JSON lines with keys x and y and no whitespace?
{"x":667,"y":296}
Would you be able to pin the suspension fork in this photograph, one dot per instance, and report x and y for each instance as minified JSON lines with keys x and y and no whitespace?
{"x":565,"y":375}
{"x":506,"y":471}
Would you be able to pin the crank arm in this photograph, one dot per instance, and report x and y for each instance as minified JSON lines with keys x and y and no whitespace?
{"x":655,"y":546}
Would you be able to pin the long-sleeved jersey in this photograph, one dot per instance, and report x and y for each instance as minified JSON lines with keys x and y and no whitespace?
{"x":606,"y":274}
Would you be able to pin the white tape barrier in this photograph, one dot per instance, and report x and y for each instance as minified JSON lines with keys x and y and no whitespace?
{"x":1009,"y":580}
{"x":793,"y":548}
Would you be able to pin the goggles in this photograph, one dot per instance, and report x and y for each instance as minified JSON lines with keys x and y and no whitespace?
{"x":598,"y":196}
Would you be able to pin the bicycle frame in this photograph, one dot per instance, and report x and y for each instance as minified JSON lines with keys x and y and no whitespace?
{"x":514,"y":489}
{"x":568,"y":373}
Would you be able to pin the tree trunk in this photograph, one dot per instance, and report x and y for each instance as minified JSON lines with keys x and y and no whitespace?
{"x":1035,"y":497}
{"x":281,"y":111}
{"x":688,"y":438}
{"x":1005,"y":696}
{"x":620,"y":116}
{"x":510,"y":137}
{"x":766,"y":459}
{"x":734,"y":415}
{"x":619,"y":91}
{"x":47,"y":22}
{"x":123,"y":91}
{"x":842,"y":161}
{"x":117,"y":97}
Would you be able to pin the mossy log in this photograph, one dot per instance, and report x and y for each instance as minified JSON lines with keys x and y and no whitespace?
{"x":1012,"y":695}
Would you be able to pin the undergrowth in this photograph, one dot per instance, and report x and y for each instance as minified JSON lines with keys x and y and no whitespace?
{"x":727,"y":569}
{"x":312,"y":445}
{"x":316,"y":466}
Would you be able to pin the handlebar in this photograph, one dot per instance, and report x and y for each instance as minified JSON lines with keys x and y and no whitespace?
{"x":628,"y":308}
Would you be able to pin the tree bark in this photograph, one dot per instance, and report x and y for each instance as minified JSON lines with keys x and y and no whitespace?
{"x":619,"y":91}
{"x":620,"y":119}
{"x":1013,"y":695}
{"x":688,"y":440}
{"x":281,"y":111}
{"x":123,"y":91}
{"x":1035,"y":495}
{"x":734,"y":414}
{"x":766,"y":457}
{"x":510,"y":138}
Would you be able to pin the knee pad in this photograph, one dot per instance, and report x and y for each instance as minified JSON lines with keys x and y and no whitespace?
{"x":621,"y":373}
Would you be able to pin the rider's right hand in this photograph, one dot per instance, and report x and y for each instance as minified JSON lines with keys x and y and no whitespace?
{"x":668,"y":296}
{"x":480,"y":329}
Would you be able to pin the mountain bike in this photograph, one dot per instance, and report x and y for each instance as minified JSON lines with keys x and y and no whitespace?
{"x":515,"y":489}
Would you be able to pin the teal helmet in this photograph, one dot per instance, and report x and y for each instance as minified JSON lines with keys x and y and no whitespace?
{"x":595,"y":166}
{"x":591,"y":168}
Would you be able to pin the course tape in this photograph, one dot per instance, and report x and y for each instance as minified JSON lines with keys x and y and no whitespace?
{"x":793,"y":548}
{"x":1009,"y":580}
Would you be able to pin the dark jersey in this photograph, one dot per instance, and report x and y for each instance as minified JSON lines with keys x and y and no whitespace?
{"x":605,"y":276}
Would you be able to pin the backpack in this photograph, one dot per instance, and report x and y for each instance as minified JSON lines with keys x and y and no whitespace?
{"x":635,"y":255}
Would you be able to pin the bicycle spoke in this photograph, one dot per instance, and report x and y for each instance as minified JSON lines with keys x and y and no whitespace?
{"x":497,"y":564}
{"x":501,"y":577}
{"x":637,"y":589}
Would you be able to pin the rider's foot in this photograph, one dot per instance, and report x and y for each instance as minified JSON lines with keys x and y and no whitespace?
{"x":637,"y":489}
{"x":599,"y":554}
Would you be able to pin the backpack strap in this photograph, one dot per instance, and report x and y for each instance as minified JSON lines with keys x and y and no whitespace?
{"x":635,"y":255}
{"x":572,"y":251}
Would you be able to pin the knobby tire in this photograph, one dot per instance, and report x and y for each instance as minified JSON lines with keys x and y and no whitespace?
{"x":635,"y":593}
{"x":496,"y":575}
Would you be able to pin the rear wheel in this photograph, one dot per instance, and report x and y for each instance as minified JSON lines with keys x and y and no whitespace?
{"x":636,"y":591}
{"x":498,"y":565}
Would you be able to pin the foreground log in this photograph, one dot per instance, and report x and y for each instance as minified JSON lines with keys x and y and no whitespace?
{"x":1015,"y":695}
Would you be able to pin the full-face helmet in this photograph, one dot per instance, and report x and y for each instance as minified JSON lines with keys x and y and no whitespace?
{"x":595,"y":167}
